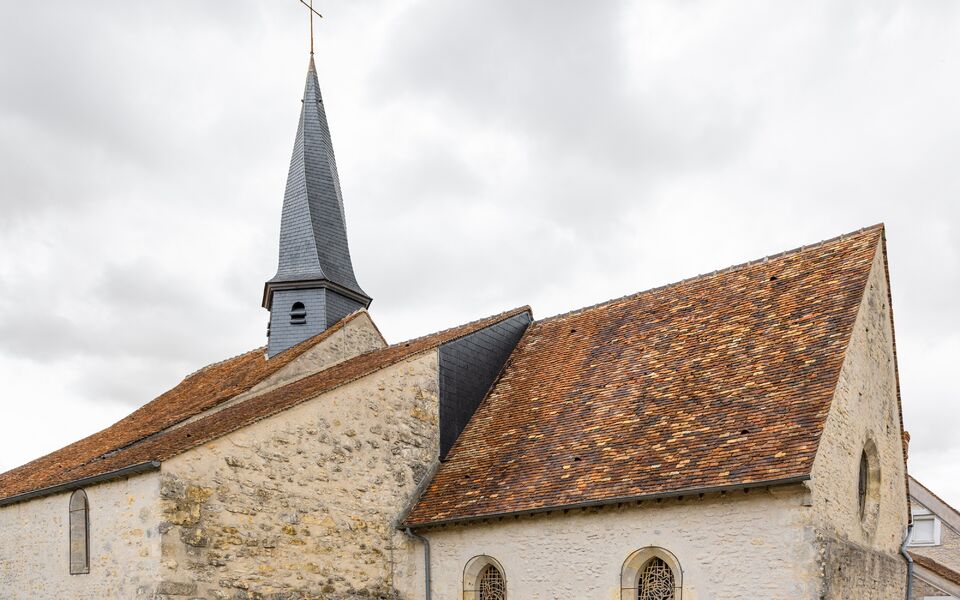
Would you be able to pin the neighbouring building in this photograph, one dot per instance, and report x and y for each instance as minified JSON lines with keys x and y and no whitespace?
{"x":733,"y":435}
{"x":934,"y":545}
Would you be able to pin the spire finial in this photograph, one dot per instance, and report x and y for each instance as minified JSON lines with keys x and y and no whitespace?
{"x":309,"y":5}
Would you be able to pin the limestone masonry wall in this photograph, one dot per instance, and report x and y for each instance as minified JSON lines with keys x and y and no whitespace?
{"x":124,"y":544}
{"x":730,"y":547}
{"x":304,"y":504}
{"x":861,"y":558}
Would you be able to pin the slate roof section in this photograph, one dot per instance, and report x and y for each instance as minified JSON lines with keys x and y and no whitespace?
{"x":721,"y":380}
{"x":146,"y":435}
{"x":468,"y":367}
{"x":938,"y":568}
{"x":313,"y":230}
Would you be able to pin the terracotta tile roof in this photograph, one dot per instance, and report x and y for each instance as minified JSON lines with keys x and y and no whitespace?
{"x":938,"y":568}
{"x":144,"y":435}
{"x":198,"y":392}
{"x":721,"y":380}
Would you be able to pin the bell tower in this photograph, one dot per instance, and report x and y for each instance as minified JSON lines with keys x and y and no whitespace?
{"x":314,"y":286}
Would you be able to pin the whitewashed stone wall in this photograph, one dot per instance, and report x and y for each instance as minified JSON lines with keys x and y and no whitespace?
{"x":124,"y":544}
{"x":863,"y":561}
{"x":305,"y":504}
{"x":730,"y":547}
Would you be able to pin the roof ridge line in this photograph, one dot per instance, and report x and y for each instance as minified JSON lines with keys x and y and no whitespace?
{"x":504,"y":315}
{"x":708,"y":274}
{"x":337,"y":325}
{"x":214,"y":364}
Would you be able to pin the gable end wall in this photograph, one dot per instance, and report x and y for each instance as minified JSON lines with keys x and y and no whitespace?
{"x":304,"y":504}
{"x":860,"y":561}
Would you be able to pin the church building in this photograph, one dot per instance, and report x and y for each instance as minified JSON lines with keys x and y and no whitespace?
{"x":733,"y":435}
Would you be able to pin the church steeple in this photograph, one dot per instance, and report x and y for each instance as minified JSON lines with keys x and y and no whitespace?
{"x":315,"y":285}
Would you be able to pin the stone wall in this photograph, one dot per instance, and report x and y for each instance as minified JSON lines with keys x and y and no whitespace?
{"x":124,"y":544}
{"x":861,"y":557}
{"x":304,"y":504}
{"x":733,"y":546}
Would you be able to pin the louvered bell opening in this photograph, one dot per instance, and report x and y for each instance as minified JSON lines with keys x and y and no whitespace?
{"x":298,"y":314}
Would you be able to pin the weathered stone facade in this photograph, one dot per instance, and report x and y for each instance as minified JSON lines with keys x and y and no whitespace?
{"x":304,"y":504}
{"x":124,"y":544}
{"x":732,"y":546}
{"x":860,"y":558}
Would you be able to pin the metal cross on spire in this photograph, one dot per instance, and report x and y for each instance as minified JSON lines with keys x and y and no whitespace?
{"x":312,"y":12}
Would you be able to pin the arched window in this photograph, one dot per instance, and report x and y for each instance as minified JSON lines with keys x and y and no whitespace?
{"x":651,"y":573}
{"x":483,"y":579}
{"x":656,"y":581}
{"x":868,"y":487}
{"x":492,"y":586}
{"x":298,"y":314}
{"x":79,"y":533}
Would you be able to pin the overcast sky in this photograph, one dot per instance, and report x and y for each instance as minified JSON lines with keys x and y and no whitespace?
{"x":492,"y":154}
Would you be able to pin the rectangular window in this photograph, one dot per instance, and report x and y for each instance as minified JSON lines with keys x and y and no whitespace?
{"x":926,"y":531}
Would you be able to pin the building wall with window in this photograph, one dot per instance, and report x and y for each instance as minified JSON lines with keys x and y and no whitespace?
{"x":863,"y":548}
{"x":776,"y":544}
{"x":306,"y":502}
{"x":935,"y":537}
{"x":123,"y":539}
{"x":731,"y":546}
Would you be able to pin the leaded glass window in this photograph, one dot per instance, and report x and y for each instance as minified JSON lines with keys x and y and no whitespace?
{"x":656,"y":581}
{"x":79,"y":533}
{"x":491,"y":584}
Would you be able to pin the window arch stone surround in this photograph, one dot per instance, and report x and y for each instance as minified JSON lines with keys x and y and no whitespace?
{"x":472,"y":572}
{"x":79,"y":533}
{"x":633,"y":567}
{"x":870,"y":513}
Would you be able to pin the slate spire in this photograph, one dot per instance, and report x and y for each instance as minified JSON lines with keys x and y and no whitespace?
{"x":315,"y":285}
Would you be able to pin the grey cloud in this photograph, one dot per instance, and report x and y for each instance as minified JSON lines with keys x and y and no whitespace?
{"x":492,"y":154}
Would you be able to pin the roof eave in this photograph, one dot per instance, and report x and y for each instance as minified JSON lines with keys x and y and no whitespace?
{"x":609,"y":501}
{"x":276,"y":284}
{"x":152,"y":465}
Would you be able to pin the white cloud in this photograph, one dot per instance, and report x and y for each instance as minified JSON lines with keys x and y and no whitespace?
{"x":492,"y":154}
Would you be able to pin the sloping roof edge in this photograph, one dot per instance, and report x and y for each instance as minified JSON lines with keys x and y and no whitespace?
{"x":936,"y":568}
{"x":152,"y":465}
{"x":210,"y":427}
{"x":877,"y":233}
